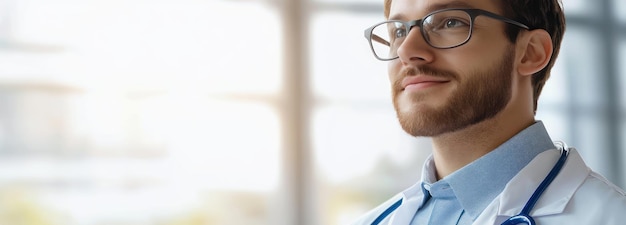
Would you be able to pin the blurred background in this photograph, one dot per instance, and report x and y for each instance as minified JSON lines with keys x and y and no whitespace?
{"x":249,"y":112}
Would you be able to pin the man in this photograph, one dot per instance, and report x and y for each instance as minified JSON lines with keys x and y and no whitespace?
{"x":468,"y":73}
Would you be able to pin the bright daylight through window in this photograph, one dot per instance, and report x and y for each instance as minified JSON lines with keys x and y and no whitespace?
{"x":138,"y":112}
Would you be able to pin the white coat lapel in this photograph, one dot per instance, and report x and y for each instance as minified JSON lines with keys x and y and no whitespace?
{"x":554,"y":200}
{"x":411,"y":201}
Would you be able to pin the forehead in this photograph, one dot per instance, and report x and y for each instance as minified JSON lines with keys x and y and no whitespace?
{"x":411,"y":9}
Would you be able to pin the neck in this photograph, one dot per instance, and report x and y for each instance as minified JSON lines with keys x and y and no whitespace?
{"x":454,"y":150}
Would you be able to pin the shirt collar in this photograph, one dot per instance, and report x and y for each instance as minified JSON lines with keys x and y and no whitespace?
{"x":497,"y":167}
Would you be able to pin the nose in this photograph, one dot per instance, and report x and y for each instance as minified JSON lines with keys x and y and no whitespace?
{"x":415,"y":49}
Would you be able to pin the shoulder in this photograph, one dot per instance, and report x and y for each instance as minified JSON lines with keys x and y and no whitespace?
{"x":599,"y":201}
{"x":597,"y":189}
{"x":598,"y":196}
{"x":597,"y":181}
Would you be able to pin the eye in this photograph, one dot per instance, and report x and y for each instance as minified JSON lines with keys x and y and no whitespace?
{"x":399,"y":33}
{"x":452,"y":23}
{"x":445,"y":22}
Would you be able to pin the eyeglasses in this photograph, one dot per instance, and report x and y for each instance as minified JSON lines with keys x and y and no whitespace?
{"x":442,"y":29}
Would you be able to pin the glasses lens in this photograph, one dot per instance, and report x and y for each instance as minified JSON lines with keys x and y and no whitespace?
{"x":447,"y":29}
{"x":386,"y":37}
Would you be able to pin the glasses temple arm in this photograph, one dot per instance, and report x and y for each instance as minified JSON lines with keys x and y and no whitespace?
{"x":380,"y":40}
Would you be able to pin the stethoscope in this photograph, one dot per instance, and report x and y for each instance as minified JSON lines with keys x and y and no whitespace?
{"x":524,"y":216}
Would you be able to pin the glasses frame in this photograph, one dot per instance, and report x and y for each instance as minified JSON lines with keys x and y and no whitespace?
{"x":473,"y":13}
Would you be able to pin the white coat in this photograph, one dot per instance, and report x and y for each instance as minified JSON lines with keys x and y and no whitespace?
{"x":576,"y":196}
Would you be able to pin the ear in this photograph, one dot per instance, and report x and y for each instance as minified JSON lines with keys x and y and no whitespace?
{"x":535,"y":51}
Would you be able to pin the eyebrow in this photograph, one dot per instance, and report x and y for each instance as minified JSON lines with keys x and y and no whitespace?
{"x":437,"y":6}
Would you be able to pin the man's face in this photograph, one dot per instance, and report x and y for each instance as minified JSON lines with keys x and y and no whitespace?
{"x":436,"y":91}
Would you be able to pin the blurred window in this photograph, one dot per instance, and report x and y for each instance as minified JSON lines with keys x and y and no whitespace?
{"x":147,"y":112}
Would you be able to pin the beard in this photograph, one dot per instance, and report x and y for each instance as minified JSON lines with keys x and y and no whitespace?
{"x":479,"y":96}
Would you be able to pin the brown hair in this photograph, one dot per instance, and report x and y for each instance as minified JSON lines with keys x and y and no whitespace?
{"x":536,"y":14}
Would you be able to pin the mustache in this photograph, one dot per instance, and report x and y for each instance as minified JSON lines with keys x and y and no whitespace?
{"x":422,"y":70}
{"x":427,"y":70}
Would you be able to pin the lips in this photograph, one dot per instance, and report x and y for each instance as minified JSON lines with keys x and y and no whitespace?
{"x":421,"y":81}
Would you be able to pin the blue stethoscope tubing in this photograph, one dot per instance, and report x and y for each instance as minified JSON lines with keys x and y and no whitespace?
{"x":524,"y":216}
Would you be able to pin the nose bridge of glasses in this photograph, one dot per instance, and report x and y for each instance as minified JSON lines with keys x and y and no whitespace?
{"x":414,"y":44}
{"x":413,"y":23}
{"x":419,"y":25}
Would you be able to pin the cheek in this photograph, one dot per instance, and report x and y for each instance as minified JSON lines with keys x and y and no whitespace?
{"x":484,"y":47}
{"x":393,"y":69}
{"x":469,"y":58}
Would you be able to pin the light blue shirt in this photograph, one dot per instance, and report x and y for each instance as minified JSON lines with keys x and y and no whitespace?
{"x":459,"y":198}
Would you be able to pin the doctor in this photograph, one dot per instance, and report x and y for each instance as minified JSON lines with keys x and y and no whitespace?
{"x":468,"y":73}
